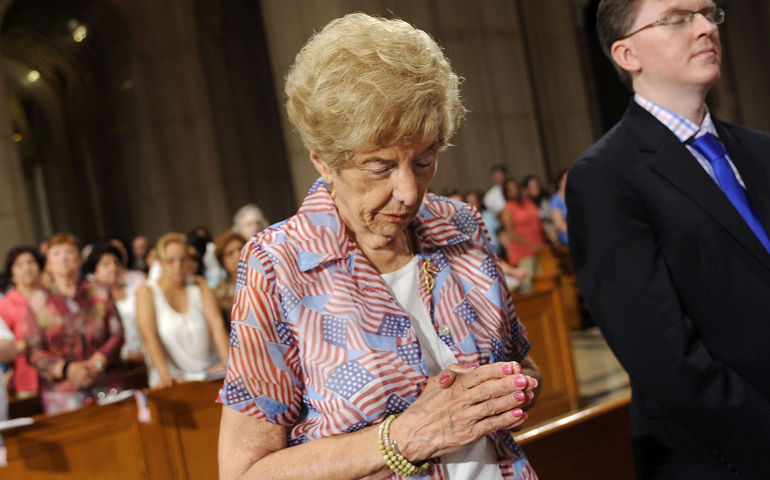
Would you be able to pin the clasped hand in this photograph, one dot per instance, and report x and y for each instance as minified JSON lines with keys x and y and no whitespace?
{"x":82,"y":374}
{"x":461,"y":405}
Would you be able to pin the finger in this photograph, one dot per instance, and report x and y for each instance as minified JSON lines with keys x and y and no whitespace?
{"x":496,"y":406}
{"x":497,"y":388}
{"x":504,"y":421}
{"x":492,"y":371}
{"x":447,"y":377}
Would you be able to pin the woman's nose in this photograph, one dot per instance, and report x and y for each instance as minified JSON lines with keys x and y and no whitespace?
{"x":405,"y":188}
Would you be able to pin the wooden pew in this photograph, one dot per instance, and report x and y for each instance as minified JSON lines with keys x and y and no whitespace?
{"x":541,"y":313}
{"x":108,"y":441}
{"x":590,"y":444}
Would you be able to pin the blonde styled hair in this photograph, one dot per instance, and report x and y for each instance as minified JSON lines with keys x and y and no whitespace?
{"x":366,"y":82}
{"x":166,"y":240}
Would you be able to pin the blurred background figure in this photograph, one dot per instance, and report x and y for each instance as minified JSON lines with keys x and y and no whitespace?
{"x":74,"y":334}
{"x":491,"y":220}
{"x":558,"y":209}
{"x":532,"y":188}
{"x":249,"y":220}
{"x":179,"y":319}
{"x":7,"y":353}
{"x":106,"y":265}
{"x":135,"y":278}
{"x":494,"y":199}
{"x":139,"y":247}
{"x":228,"y":252}
{"x":521,"y":221}
{"x":201,"y":239}
{"x":23,"y":268}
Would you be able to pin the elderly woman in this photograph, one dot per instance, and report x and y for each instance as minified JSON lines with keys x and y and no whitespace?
{"x":249,"y":220}
{"x":73,"y":333}
{"x":179,"y":319}
{"x":374,"y":324}
{"x":105,"y":263}
{"x":23,"y":267}
{"x":228,"y":248}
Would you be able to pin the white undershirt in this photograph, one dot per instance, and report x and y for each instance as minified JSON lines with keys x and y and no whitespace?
{"x":476,"y":461}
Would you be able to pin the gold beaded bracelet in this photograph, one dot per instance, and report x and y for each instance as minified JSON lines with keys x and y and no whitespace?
{"x":392,"y":456}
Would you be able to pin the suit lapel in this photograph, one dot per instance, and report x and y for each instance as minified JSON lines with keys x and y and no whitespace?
{"x":671,"y":159}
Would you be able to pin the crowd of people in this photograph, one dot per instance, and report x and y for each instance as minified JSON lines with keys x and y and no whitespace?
{"x":521,"y":219}
{"x":74,"y":321}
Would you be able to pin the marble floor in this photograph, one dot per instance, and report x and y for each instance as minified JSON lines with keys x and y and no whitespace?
{"x":598,"y":372}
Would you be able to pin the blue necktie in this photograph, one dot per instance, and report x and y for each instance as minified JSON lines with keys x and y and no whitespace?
{"x":710,"y":147}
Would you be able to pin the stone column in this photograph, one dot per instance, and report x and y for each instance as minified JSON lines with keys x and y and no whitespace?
{"x":16,"y":226}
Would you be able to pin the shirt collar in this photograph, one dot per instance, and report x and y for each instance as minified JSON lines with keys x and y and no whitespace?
{"x":683,"y":128}
{"x":321,"y":236}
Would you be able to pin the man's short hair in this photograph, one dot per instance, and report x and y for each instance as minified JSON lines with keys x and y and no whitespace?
{"x":499,"y":167}
{"x":613,"y":20}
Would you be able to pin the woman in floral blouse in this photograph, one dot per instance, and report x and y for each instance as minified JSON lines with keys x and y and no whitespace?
{"x":74,"y":333}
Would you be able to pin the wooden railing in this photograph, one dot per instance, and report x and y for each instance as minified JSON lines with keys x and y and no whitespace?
{"x":589,"y":444}
{"x":542,"y":314}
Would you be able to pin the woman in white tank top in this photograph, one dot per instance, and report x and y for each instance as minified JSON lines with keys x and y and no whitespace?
{"x":179,"y":320}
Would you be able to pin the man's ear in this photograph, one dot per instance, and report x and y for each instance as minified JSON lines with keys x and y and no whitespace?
{"x":625,"y":56}
{"x":322,"y":167}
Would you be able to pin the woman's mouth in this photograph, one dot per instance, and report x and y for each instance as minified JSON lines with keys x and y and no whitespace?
{"x":396,"y":217}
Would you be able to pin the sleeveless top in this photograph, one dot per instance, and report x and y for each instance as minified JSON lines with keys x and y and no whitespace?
{"x":184,"y":337}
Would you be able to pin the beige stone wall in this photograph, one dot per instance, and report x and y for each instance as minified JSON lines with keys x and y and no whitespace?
{"x":521,"y":75}
{"x":174,"y":169}
{"x":15,"y":222}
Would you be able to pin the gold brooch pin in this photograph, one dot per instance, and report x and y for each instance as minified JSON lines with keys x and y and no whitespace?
{"x":430,"y":269}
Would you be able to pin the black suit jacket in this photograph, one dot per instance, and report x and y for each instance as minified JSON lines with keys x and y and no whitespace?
{"x":680,"y":287}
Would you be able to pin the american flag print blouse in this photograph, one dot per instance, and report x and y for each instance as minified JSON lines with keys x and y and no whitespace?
{"x":319,"y":345}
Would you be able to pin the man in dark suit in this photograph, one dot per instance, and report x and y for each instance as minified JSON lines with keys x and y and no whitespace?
{"x":668,"y":221}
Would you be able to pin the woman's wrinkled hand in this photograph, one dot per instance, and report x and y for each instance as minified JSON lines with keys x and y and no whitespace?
{"x":461,"y":405}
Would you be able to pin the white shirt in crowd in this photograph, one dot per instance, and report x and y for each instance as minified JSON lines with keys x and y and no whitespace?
{"x":494,"y":199}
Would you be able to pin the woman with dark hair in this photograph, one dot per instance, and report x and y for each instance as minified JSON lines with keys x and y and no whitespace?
{"x":532,"y":188}
{"x":521,"y":222}
{"x":106,"y":265}
{"x":135,"y":278}
{"x":228,"y":248}
{"x":22,"y":269}
{"x":73,"y":332}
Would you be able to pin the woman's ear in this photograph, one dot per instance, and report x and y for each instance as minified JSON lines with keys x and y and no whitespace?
{"x":322,"y":167}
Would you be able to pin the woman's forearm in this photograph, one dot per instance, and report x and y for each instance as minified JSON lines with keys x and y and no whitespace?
{"x":7,"y":350}
{"x":346,"y":456}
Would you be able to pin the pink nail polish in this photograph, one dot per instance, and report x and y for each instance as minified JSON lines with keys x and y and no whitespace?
{"x":507,"y":370}
{"x":518,"y":413}
{"x":443,"y":379}
{"x":536,"y":382}
{"x":518,"y":396}
{"x":520,"y":381}
{"x":471,"y":367}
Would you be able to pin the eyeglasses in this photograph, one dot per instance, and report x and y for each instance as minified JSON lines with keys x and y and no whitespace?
{"x":681,"y":18}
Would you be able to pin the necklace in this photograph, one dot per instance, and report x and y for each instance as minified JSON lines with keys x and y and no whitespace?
{"x":430,"y":270}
